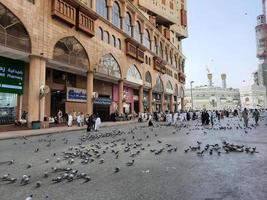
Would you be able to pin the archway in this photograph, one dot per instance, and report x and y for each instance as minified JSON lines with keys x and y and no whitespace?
{"x":109,"y":66}
{"x":13,"y":33}
{"x":69,"y":50}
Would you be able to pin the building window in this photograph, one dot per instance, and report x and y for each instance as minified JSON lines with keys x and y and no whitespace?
{"x":99,"y":33}
{"x":161,"y":50}
{"x":171,"y":58}
{"x":116,"y":19}
{"x":106,"y":37}
{"x":148,"y":78}
{"x":119,"y":43}
{"x":147,"y":41}
{"x":155,"y":46}
{"x":133,"y":73}
{"x":109,"y":66}
{"x":101,"y":8}
{"x":12,"y":32}
{"x":128,"y":24}
{"x":159,"y":85}
{"x":113,"y":41}
{"x":166,"y":54}
{"x":149,"y":61}
{"x":138,"y":33}
{"x":69,"y":50}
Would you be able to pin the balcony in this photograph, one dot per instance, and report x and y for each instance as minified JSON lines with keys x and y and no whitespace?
{"x":75,"y":13}
{"x":135,"y":50}
{"x":64,"y":11}
{"x":159,"y":65}
{"x":181,"y":78}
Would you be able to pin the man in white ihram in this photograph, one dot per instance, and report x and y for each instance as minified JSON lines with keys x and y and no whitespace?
{"x":97,"y":123}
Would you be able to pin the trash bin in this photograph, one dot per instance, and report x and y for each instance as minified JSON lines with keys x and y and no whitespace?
{"x":36,"y":124}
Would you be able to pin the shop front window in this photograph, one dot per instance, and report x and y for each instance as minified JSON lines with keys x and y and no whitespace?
{"x":8,"y":103}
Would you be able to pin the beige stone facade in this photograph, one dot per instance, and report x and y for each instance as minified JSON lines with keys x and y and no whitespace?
{"x":69,"y":48}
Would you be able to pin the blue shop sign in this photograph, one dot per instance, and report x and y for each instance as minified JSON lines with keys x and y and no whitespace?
{"x":103,"y":101}
{"x":76,"y":95}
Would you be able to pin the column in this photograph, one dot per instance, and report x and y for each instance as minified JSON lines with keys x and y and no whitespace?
{"x":120,"y":97}
{"x":141,"y":99}
{"x":36,"y":80}
{"x":94,"y":5}
{"x":89,"y":92}
{"x":150,"y":99}
{"x":19,"y":107}
{"x":109,"y":5}
{"x":171,"y":105}
{"x":163,"y":102}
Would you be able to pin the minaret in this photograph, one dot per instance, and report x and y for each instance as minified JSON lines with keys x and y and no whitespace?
{"x":223,"y":76}
{"x":210,"y":79}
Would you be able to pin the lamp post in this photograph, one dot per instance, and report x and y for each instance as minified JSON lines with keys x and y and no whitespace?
{"x":192,"y":104}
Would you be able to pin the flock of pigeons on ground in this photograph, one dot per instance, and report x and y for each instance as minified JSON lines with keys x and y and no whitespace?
{"x":127,"y":144}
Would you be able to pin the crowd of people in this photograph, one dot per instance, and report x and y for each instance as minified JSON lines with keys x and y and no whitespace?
{"x":93,"y":122}
{"x":207,"y":117}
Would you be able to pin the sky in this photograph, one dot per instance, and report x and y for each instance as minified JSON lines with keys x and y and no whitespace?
{"x":222,"y":38}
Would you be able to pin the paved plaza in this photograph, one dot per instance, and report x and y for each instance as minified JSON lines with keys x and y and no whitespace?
{"x":135,"y":162}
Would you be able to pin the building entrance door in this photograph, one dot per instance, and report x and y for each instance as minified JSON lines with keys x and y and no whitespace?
{"x":58,"y":99}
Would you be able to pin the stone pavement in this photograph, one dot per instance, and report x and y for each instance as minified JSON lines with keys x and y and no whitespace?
{"x":157,"y":173}
{"x":53,"y":130}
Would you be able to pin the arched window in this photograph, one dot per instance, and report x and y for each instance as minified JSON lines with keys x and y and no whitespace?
{"x":128,"y":24}
{"x":119,"y":44}
{"x":109,"y":66}
{"x":12,"y":32}
{"x":106,"y":37}
{"x":171,"y":57}
{"x":69,"y":50}
{"x":116,"y":19}
{"x":146,"y":60}
{"x":155,"y":46}
{"x":149,"y":61}
{"x":134,"y":75}
{"x":138,"y":34}
{"x":113,"y":41}
{"x":183,"y":63}
{"x":99,"y":33}
{"x":161,"y":50}
{"x":147,"y":41}
{"x":148,"y":78}
{"x":166,"y":54}
{"x":159,"y":85}
{"x":101,"y":8}
{"x":169,"y":85}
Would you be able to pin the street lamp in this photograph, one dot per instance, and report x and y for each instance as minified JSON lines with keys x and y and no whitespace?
{"x":191,"y":95}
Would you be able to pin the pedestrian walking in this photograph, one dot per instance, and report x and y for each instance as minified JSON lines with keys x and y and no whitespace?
{"x":70,"y":120}
{"x":150,"y":123}
{"x":60,"y":116}
{"x":97,"y":123}
{"x":256,"y":115}
{"x":78,"y":120}
{"x":265,"y":117}
{"x":82,"y":119}
{"x":245,"y":117}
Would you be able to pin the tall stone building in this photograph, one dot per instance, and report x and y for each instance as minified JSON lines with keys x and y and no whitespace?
{"x":90,"y":56}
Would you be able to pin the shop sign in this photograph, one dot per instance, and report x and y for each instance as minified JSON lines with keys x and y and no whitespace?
{"x":11,"y":76}
{"x":76,"y":95}
{"x":103,"y":101}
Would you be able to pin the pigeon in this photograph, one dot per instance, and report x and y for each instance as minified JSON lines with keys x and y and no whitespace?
{"x":29,"y":197}
{"x":38,"y":184}
{"x":116,"y":170}
{"x":87,"y":179}
{"x":130,"y":163}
